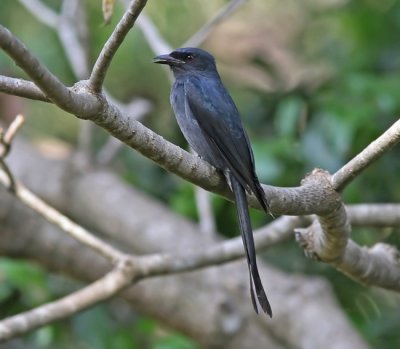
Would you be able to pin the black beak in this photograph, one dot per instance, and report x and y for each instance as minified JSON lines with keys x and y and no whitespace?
{"x":167,"y":59}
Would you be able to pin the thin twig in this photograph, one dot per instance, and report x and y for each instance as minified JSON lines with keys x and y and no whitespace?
{"x":198,"y":38}
{"x":13,"y":129}
{"x":367,"y":156}
{"x":41,"y":76}
{"x":63,"y":222}
{"x":21,"y":88}
{"x":160,"y":264}
{"x":10,"y":181}
{"x":113,"y":43}
{"x":72,"y":32}
{"x":6,"y":138}
{"x":153,"y":37}
{"x":96,"y":292}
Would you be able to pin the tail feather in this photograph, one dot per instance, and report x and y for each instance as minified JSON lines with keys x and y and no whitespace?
{"x":256,"y":287}
{"x":260,"y":195}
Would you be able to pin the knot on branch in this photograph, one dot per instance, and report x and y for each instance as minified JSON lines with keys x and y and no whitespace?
{"x":326,"y":238}
{"x":320,"y":181}
{"x":88,"y":103}
{"x":128,"y":266}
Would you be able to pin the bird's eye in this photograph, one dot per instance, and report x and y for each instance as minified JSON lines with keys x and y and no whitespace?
{"x":189,"y":57}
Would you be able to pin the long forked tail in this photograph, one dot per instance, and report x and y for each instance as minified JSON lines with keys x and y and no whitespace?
{"x":248,"y":242}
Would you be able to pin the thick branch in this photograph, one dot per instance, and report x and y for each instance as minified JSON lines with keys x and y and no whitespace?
{"x":327,"y":240}
{"x":375,"y":266}
{"x":378,"y":265}
{"x":113,"y":43}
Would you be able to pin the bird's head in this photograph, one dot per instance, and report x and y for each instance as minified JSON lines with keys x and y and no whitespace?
{"x":188,"y":59}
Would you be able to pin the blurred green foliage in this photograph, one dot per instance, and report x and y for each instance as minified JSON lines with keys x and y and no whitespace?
{"x":293,"y":129}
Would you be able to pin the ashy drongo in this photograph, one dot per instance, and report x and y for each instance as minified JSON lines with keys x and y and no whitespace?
{"x":210,"y":122}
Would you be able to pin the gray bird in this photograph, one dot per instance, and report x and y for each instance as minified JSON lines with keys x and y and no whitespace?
{"x":210,"y":122}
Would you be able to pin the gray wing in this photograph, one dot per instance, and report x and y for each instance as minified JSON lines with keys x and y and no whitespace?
{"x":211,"y":106}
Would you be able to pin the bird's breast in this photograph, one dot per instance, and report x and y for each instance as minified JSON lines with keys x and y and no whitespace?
{"x":189,"y":125}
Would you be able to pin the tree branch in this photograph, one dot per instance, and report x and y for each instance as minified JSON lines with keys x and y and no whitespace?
{"x":96,"y":292}
{"x":66,"y":224}
{"x":204,"y":211}
{"x":198,"y":38}
{"x":152,"y":35}
{"x":374,"y":215}
{"x":327,"y":240}
{"x":42,"y":12}
{"x":6,"y":138}
{"x":370,"y":154}
{"x":71,"y":30}
{"x":110,"y":48}
{"x":220,"y":296}
{"x":21,"y":88}
{"x":136,"y":109}
{"x":41,"y":76}
{"x":221,"y":253}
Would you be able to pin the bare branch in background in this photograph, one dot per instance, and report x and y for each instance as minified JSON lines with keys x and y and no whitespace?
{"x":12,"y":130}
{"x":201,"y":35}
{"x":152,"y":35}
{"x":73,"y":33}
{"x":370,"y":154}
{"x":96,"y":292}
{"x":71,"y":28}
{"x":111,"y":46}
{"x":228,"y":250}
{"x":374,"y":215}
{"x":6,"y":138}
{"x":205,"y":211}
{"x":42,"y":12}
{"x":67,"y":225}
